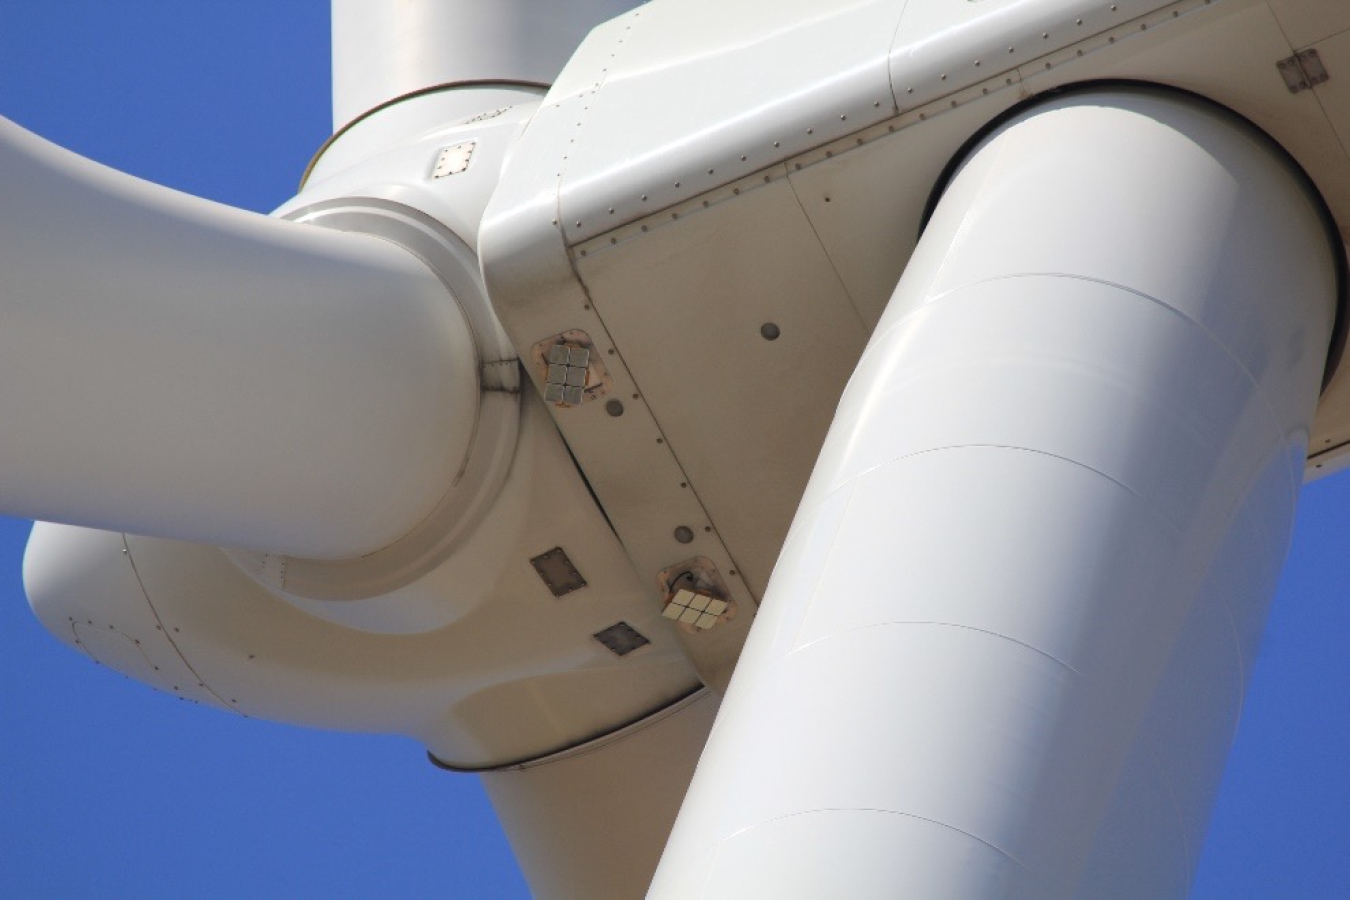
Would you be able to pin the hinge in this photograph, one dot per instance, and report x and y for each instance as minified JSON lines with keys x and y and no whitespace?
{"x":1302,"y":71}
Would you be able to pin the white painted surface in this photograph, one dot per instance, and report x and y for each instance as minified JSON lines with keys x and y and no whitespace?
{"x":745,"y":416}
{"x":1308,"y":21}
{"x":593,"y":824}
{"x":383,"y":50}
{"x":731,"y":88}
{"x":399,"y":127}
{"x":1004,"y":618}
{"x":501,"y":670}
{"x":184,"y":369}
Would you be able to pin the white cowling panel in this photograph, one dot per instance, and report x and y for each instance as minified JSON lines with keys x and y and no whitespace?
{"x":178,"y":368}
{"x":382,"y":51}
{"x":1003,"y":649}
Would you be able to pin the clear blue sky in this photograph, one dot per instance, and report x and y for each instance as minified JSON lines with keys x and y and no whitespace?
{"x":108,"y":788}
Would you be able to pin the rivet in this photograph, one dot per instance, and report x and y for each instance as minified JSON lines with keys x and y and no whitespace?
{"x":578,"y":224}
{"x":613,"y":240}
{"x":635,"y":396}
{"x":775,"y":143}
{"x":732,"y":572}
{"x":586,"y":306}
{"x":810,"y":131}
{"x":707,"y":528}
{"x":843,"y":118}
{"x":677,"y":184}
{"x":742,"y":159}
{"x":660,"y":440}
{"x":710,"y":171}
{"x":705,"y":203}
{"x":684,"y":534}
{"x":583,"y":252}
{"x":611,"y":210}
{"x":1111,"y":40}
{"x":684,"y":484}
{"x":769,"y":331}
{"x":610,"y":351}
{"x":644,"y":227}
{"x":1080,"y":52}
{"x":644,"y":196}
{"x":614,"y":408}
{"x":735,"y":190}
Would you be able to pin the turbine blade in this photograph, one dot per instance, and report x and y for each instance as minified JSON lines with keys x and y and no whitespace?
{"x":174,"y":367}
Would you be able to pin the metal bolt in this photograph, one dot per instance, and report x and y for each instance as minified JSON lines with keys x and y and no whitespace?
{"x":769,"y":331}
{"x":683,"y":534}
{"x":614,"y":408}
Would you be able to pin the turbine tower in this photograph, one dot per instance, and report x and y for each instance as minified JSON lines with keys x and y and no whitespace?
{"x":896,"y":409}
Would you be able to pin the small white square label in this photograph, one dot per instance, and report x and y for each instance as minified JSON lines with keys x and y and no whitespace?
{"x":453,"y":160}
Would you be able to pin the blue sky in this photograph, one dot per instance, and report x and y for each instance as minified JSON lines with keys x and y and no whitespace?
{"x":108,"y":788}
